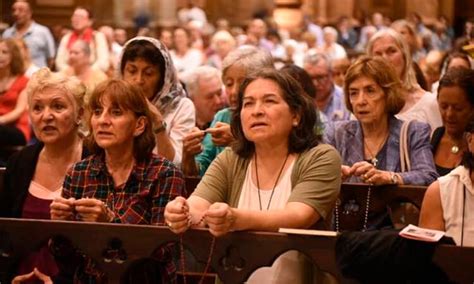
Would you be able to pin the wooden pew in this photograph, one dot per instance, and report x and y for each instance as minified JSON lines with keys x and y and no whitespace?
{"x":353,"y":202}
{"x":2,"y":176}
{"x":235,"y":256}
{"x":354,"y":196}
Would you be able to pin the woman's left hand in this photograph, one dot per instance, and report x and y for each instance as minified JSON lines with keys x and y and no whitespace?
{"x":30,"y":276}
{"x":220,"y":218}
{"x":371,"y":175}
{"x":93,"y":210}
{"x":156,"y":113}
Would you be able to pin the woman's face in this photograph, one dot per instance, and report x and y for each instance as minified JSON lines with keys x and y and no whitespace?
{"x":5,"y":55}
{"x":54,"y":115}
{"x":233,"y":77}
{"x":368,"y":101}
{"x":180,"y":38}
{"x":455,"y":109}
{"x":114,"y":127}
{"x":388,"y":49}
{"x":142,"y":73}
{"x":265,"y":115}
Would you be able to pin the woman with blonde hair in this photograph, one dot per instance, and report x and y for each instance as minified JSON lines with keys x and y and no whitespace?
{"x":35,"y":175}
{"x":419,"y":104}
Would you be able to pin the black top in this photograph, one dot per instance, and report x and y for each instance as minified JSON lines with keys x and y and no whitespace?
{"x":18,"y":175}
{"x":435,"y":139}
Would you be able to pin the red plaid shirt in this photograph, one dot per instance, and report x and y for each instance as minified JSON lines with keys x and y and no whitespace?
{"x":142,"y":200}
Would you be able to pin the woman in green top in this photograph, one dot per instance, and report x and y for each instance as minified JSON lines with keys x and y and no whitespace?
{"x":277,"y":174}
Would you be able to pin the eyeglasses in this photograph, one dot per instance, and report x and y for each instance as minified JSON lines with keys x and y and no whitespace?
{"x":320,"y":78}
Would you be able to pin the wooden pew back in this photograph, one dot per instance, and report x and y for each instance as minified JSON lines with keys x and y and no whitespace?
{"x":235,"y":255}
{"x":353,"y":203}
{"x":2,"y":176}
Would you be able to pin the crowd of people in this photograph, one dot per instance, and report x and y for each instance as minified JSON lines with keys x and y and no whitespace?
{"x":271,"y":122}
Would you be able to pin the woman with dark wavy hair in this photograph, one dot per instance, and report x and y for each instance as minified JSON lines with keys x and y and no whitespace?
{"x":276,"y":175}
{"x":448,"y":204}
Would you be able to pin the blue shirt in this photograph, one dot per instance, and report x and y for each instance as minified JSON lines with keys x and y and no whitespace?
{"x":39,"y":40}
{"x":210,"y":151}
{"x":348,"y":139}
{"x":336,"y":108}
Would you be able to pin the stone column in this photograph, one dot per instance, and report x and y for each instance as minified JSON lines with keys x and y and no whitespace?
{"x":163,"y":13}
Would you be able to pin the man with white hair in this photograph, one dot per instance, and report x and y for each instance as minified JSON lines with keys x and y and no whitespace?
{"x":331,"y":48}
{"x":329,"y":97}
{"x":204,"y":87}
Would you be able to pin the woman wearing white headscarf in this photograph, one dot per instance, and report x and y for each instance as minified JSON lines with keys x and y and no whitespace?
{"x":146,"y":62}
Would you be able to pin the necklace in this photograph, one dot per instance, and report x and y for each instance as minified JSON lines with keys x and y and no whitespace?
{"x":455,"y":149}
{"x":366,"y":213}
{"x":274,"y":186}
{"x":373,"y":158}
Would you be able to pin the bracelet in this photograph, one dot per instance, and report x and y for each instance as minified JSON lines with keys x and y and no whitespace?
{"x":394,"y":178}
{"x":160,"y":128}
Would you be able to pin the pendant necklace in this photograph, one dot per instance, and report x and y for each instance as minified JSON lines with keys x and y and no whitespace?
{"x":455,"y":149}
{"x":274,"y":186}
{"x":373,"y":160}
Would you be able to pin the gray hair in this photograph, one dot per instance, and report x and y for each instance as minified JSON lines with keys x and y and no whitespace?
{"x":84,"y":46}
{"x":408,"y":76}
{"x":193,"y":78}
{"x":248,"y":57}
{"x":313,"y":58}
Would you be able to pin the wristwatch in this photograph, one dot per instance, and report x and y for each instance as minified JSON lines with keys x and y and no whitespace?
{"x":394,"y":178}
{"x":160,"y":128}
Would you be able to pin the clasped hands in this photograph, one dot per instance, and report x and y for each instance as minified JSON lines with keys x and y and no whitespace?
{"x":85,"y":209}
{"x":219,"y":217}
{"x":367,"y":173}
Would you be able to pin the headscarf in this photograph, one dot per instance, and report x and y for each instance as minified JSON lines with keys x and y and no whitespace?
{"x":167,"y":98}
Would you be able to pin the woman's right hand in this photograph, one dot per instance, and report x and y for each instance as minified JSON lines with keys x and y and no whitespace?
{"x":221,"y":134}
{"x":62,"y":209}
{"x":177,"y":215}
{"x":30,"y":276}
{"x":192,"y":142}
{"x":156,"y":113}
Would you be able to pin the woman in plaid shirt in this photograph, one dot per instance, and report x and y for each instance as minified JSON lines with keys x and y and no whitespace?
{"x":123,"y":181}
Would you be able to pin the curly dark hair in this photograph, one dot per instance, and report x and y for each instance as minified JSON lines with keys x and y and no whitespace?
{"x":302,"y":136}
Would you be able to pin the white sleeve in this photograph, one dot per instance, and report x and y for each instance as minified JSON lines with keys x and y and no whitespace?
{"x":102,"y":52}
{"x":180,"y":123}
{"x":62,"y":55}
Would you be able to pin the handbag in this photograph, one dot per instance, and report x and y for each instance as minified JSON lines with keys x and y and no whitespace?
{"x":403,"y":212}
{"x":404,"y":154}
